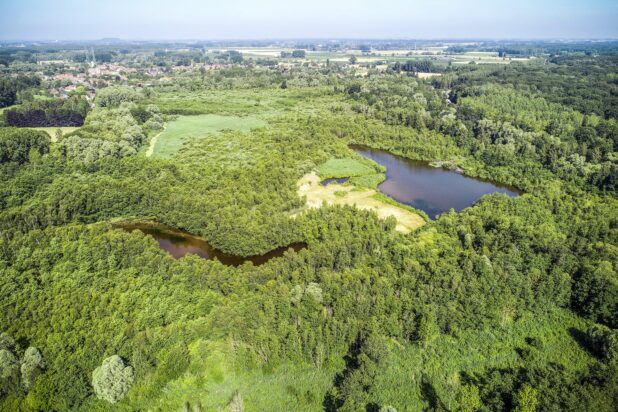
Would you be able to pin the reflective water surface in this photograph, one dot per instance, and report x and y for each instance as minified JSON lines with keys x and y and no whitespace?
{"x":341,"y":180}
{"x":431,"y":189}
{"x":178,"y":244}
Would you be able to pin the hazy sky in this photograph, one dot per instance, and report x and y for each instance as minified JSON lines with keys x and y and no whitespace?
{"x":243,"y":19}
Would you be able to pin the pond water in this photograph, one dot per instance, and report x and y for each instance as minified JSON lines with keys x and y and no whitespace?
{"x":178,"y":244}
{"x":325,"y":182}
{"x":431,"y":189}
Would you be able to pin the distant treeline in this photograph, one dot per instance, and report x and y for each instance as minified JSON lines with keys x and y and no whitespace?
{"x":535,"y":48}
{"x":49,"y":113}
{"x":423,"y":66}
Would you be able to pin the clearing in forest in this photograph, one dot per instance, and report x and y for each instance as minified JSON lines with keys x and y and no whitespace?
{"x":178,"y":131}
{"x":345,"y":168}
{"x":363,"y":198}
{"x":51,"y":131}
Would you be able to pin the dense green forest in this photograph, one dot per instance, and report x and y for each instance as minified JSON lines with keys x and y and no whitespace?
{"x":510,"y":304}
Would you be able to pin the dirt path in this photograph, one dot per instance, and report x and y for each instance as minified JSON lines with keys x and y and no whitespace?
{"x":310,"y":186}
{"x":153,"y":143}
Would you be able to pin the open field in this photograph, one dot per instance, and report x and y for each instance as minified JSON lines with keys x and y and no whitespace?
{"x":436,"y":55}
{"x":265,"y":102}
{"x":428,"y":75}
{"x":262,"y":51}
{"x":335,"y":194}
{"x":178,"y":131}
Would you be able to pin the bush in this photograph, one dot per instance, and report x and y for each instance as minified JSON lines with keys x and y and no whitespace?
{"x":604,"y":342}
{"x":31,"y":366}
{"x":596,"y":294}
{"x":6,"y":341}
{"x":9,"y":371}
{"x":111,"y":381}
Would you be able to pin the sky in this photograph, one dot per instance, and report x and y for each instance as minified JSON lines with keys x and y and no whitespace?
{"x":291,"y":19}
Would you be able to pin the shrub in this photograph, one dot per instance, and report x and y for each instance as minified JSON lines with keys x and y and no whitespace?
{"x":596,"y":294}
{"x":111,"y":381}
{"x":114,"y":96}
{"x":604,"y":342}
{"x":9,"y":371}
{"x":31,"y":366}
{"x":315,"y":291}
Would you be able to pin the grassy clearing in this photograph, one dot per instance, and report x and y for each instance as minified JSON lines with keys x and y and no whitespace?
{"x":372,"y":180}
{"x":212,"y":379}
{"x":338,"y":168}
{"x":422,"y":75}
{"x":214,"y":376}
{"x":442,"y":360}
{"x":51,"y":131}
{"x":262,"y":102}
{"x":332,"y":194}
{"x":184,"y":128}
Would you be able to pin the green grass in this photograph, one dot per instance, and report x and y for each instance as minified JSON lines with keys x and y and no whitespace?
{"x":215,"y":374}
{"x":51,"y":131}
{"x":213,"y":378}
{"x":389,"y":200}
{"x":179,"y":131}
{"x":338,"y":168}
{"x":442,"y":361}
{"x":372,"y":180}
{"x":263,"y":102}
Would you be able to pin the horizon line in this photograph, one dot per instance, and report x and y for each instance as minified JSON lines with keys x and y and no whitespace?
{"x":120,"y":39}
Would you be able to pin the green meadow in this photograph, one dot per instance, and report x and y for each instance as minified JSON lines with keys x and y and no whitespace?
{"x":338,"y":168}
{"x":185,"y":128}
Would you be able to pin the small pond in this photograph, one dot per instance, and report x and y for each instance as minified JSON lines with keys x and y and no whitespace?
{"x":341,"y":180}
{"x":433,"y":190}
{"x":178,"y":244}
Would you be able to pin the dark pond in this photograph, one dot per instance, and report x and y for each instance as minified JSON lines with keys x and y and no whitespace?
{"x":341,"y":180}
{"x":178,"y":244}
{"x":431,"y":189}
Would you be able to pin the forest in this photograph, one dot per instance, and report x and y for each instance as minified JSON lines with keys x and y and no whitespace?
{"x":510,"y":304}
